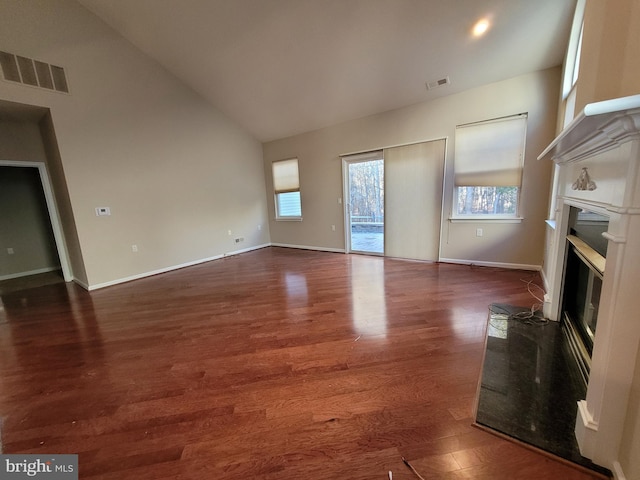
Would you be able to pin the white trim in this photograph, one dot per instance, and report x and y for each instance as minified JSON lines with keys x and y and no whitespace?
{"x":443,"y":198}
{"x":614,"y":238}
{"x":307,"y":247}
{"x":54,"y":217}
{"x":11,"y":276}
{"x":545,"y":283}
{"x":346,"y":201}
{"x":600,"y":127}
{"x":486,"y":219}
{"x":510,"y":266}
{"x":369,"y":150}
{"x":371,"y":156}
{"x":586,"y":430}
{"x":346,"y":195}
{"x":618,"y":474}
{"x":167,"y":269}
{"x":572,"y":48}
{"x":81,"y":283}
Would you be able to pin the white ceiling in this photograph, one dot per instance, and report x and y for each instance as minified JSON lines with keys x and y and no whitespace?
{"x":282,"y":67}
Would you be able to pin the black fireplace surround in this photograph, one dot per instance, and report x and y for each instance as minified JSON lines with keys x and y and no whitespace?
{"x":584,"y":266}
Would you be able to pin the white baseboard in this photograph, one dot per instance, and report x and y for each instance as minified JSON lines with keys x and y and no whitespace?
{"x":167,"y":269}
{"x":81,"y":283}
{"x":511,"y":266}
{"x":586,"y":430}
{"x":306,"y":247}
{"x":11,"y":276}
{"x":618,"y":474}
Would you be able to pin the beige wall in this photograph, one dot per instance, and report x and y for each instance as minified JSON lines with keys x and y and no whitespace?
{"x":62,"y":200}
{"x":176,"y":173}
{"x":20,"y":141}
{"x":321,"y":178}
{"x":610,"y":60}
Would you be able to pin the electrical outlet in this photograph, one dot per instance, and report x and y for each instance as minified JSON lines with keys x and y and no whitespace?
{"x":333,"y":228}
{"x":134,"y":248}
{"x":479,"y":232}
{"x":10,"y":251}
{"x":103,"y":211}
{"x":229,"y":232}
{"x":239,"y":239}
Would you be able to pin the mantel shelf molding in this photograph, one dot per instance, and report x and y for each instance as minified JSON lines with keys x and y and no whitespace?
{"x":599,"y":127}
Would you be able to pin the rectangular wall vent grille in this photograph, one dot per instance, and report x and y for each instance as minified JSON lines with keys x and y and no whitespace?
{"x":33,"y":72}
{"x":438,"y":83}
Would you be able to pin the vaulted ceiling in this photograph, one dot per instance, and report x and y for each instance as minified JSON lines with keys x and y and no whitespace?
{"x":282,"y":67}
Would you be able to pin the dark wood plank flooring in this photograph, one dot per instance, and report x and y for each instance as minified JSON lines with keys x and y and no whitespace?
{"x":274,"y":364}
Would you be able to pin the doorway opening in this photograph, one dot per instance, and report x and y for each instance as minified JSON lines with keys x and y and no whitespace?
{"x":44,"y":228}
{"x":364,"y":208}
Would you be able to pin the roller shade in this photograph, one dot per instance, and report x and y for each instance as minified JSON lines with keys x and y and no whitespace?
{"x":364,"y":156}
{"x":491,"y":153}
{"x":285,"y":176}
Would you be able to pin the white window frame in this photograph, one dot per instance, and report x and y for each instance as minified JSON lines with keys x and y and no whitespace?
{"x":569,"y":90}
{"x":286,"y":179}
{"x":574,"y":47}
{"x":495,"y":218}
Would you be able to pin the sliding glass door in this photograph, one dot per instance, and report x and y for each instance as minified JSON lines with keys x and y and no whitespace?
{"x":414,"y":175}
{"x":364,"y":209}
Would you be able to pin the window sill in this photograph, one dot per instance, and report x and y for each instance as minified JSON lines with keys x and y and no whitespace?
{"x":487,"y":219}
{"x":288,"y":219}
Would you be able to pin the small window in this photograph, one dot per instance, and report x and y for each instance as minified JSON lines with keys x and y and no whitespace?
{"x":489,"y":158}
{"x":286,"y":187}
{"x":574,"y":49}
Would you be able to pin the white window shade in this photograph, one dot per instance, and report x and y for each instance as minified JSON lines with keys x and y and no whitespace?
{"x":364,"y":156}
{"x":285,"y":176}
{"x":490,"y":153}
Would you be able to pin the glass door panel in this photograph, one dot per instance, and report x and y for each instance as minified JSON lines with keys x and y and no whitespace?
{"x":365,"y":206}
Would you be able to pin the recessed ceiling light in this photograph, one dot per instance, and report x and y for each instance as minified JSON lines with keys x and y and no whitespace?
{"x":481,"y":27}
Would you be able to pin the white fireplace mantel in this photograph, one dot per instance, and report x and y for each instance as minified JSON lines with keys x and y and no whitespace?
{"x":599,"y":127}
{"x":603,"y":140}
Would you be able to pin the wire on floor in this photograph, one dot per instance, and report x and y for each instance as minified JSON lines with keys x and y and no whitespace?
{"x":533,"y":316}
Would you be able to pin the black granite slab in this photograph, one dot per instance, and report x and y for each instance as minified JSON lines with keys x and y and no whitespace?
{"x":530,"y":385}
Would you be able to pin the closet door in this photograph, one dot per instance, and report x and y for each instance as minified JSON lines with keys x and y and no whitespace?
{"x":413,"y":200}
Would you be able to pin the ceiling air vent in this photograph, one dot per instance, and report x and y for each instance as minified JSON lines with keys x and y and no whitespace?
{"x":438,"y":83}
{"x":33,"y":72}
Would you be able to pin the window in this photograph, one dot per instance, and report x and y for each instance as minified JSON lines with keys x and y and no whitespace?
{"x":286,"y":187}
{"x":488,"y":163}
{"x":572,"y":63}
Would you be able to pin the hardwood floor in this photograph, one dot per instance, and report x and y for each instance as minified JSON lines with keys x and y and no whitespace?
{"x":30,"y":281}
{"x":274,"y":364}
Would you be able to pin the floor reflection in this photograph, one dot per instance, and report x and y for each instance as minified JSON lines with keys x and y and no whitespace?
{"x":296,"y":285}
{"x":369,"y":306}
{"x":464,"y":326}
{"x":29,"y":318}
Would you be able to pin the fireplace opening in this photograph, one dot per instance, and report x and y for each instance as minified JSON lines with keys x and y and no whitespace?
{"x":583,"y":270}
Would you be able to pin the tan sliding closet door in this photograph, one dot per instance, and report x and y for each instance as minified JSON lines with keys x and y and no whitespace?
{"x":413,"y":200}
